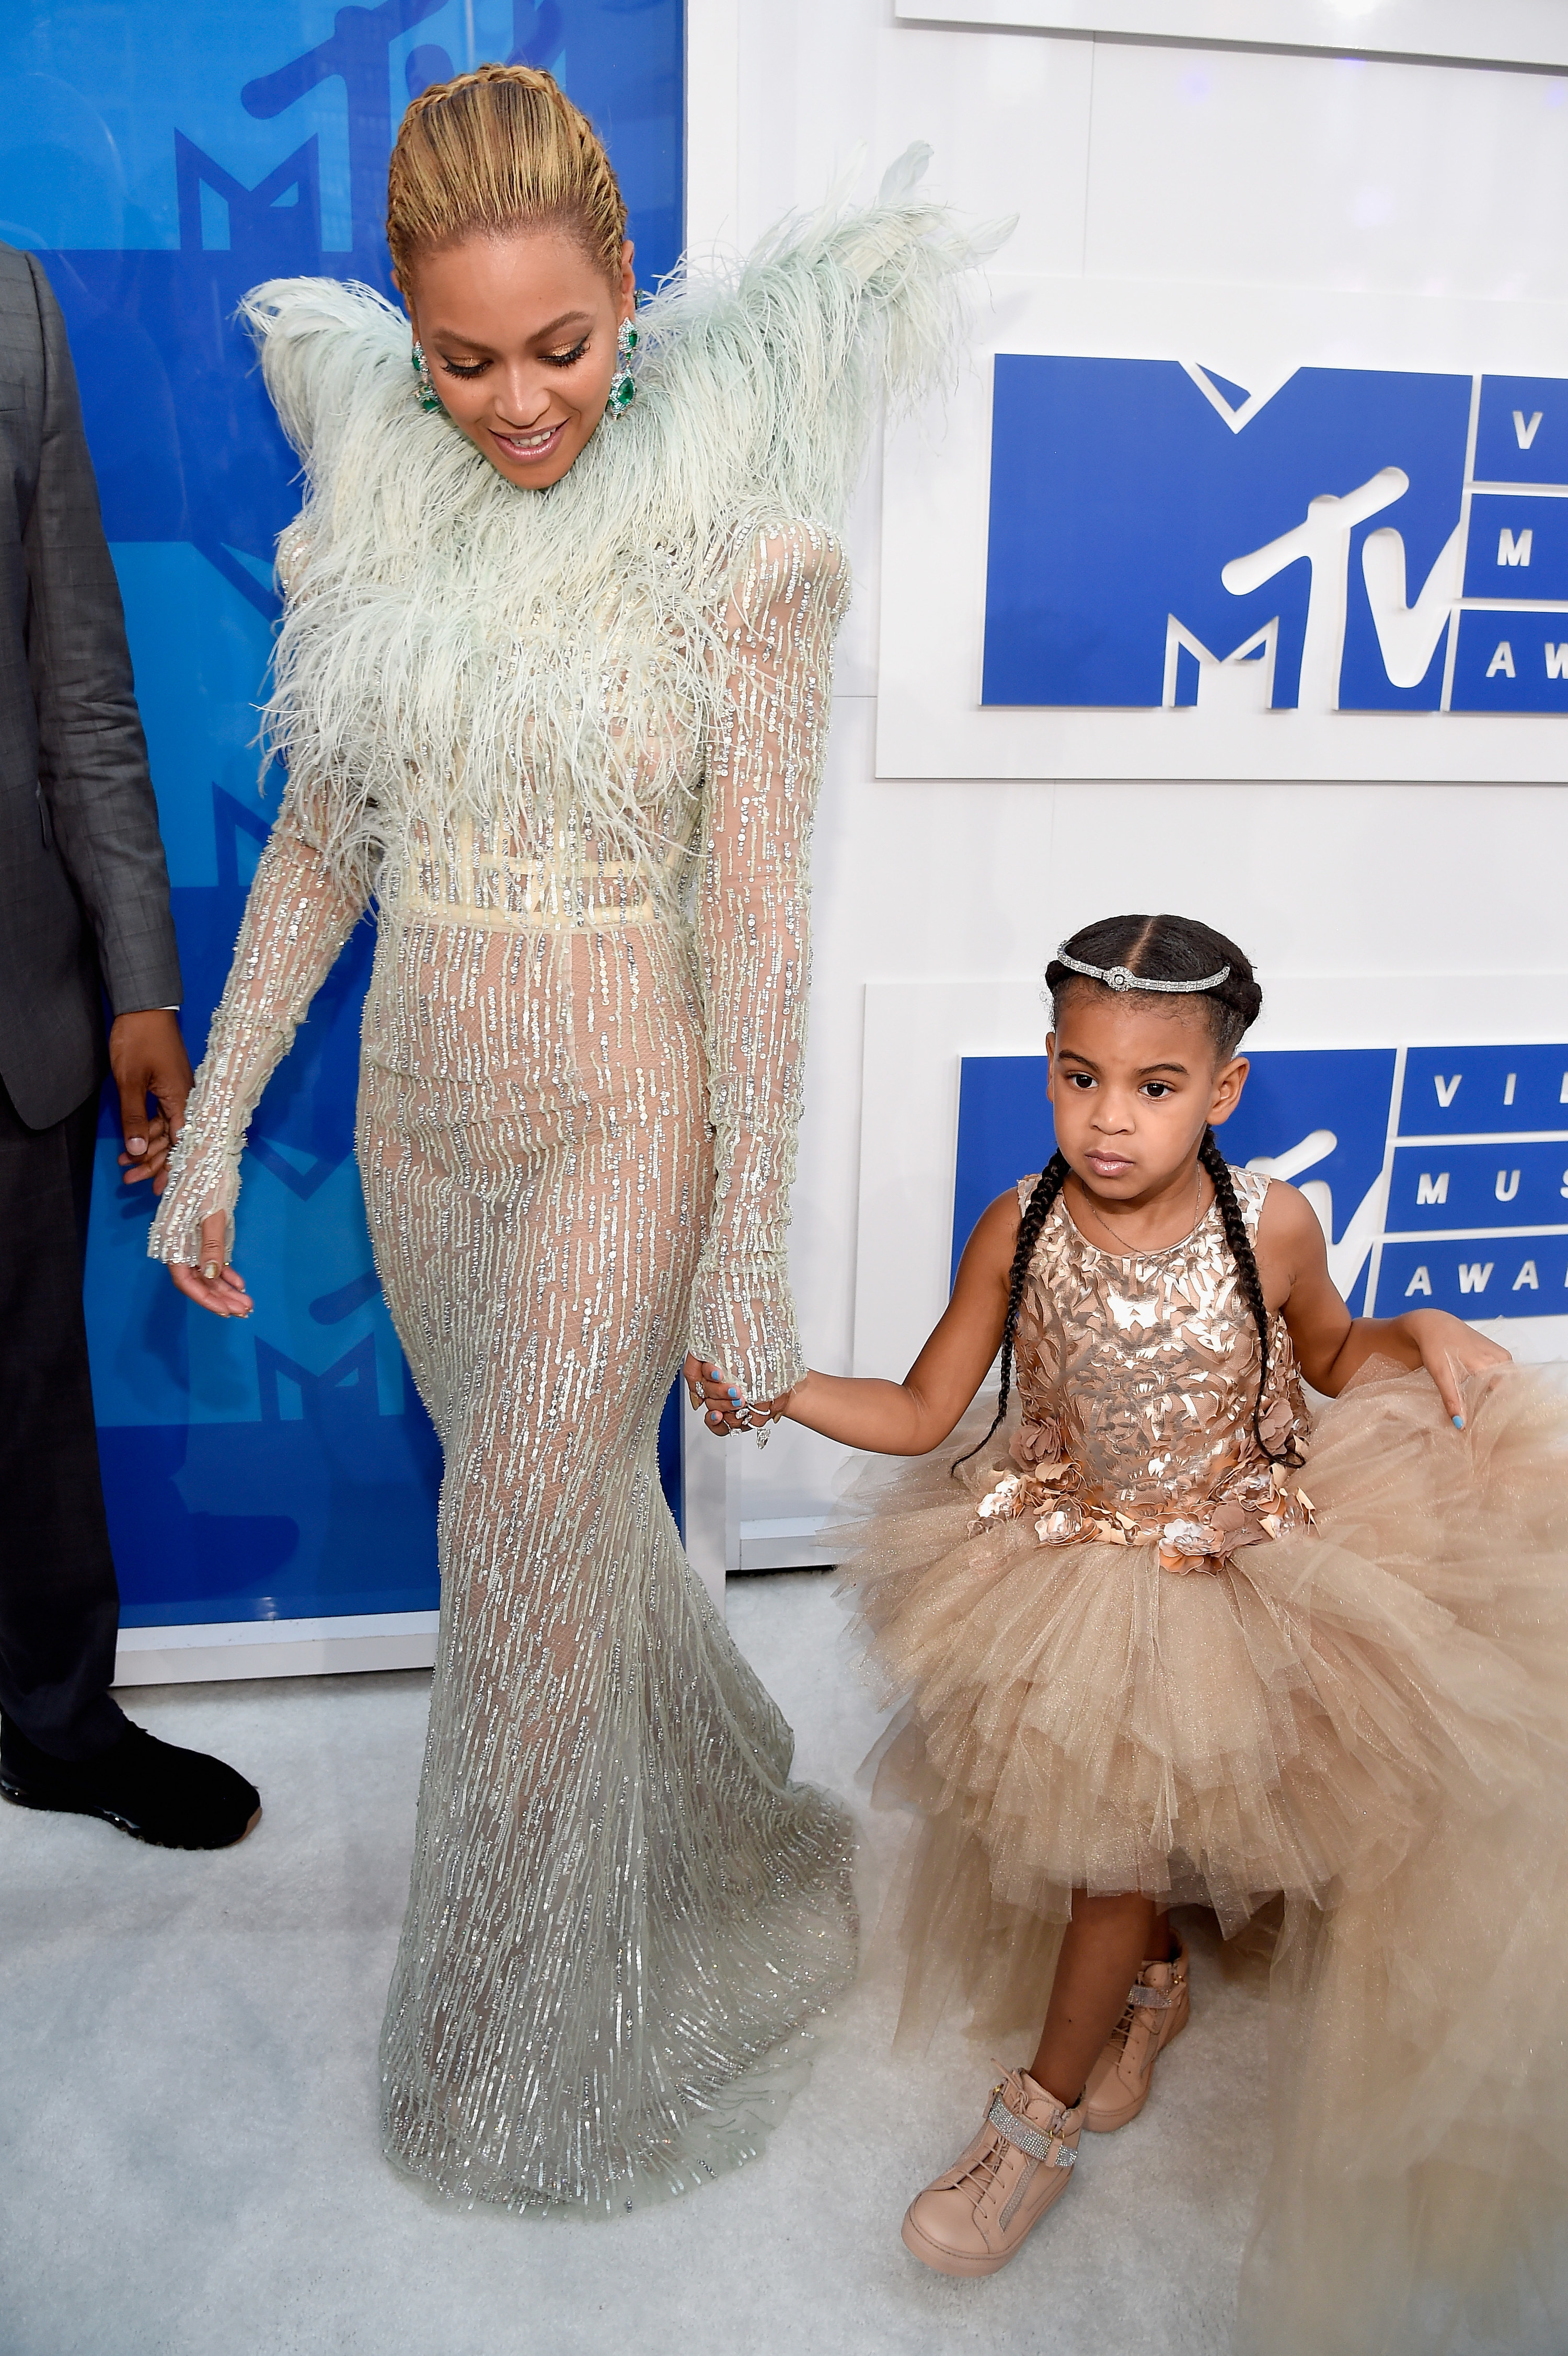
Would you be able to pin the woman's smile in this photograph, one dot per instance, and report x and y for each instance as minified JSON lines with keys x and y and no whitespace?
{"x":538,"y":443}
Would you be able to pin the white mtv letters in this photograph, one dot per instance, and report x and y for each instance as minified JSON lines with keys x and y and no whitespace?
{"x":1408,"y":634}
{"x":1347,"y":1256}
{"x":1334,"y":540}
{"x":1323,"y":537}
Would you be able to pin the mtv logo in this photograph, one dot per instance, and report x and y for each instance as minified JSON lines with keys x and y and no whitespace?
{"x":1358,"y":539}
{"x":1439,"y":1175}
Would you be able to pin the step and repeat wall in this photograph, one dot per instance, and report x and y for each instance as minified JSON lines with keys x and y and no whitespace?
{"x":160,"y":160}
{"x":1230,"y":573}
{"x":1230,"y":576}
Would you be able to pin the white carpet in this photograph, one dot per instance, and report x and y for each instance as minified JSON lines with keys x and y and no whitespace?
{"x":188,"y":2159}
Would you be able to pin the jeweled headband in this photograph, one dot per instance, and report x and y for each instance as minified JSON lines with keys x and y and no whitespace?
{"x":1117,"y":977}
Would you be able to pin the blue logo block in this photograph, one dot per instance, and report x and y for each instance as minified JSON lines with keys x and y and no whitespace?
{"x":1490,"y":1277}
{"x":1159,"y":538}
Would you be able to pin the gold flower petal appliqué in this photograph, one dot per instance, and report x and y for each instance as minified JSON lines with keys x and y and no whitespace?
{"x":1137,"y":1378}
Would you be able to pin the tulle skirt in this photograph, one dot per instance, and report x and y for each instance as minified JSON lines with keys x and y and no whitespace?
{"x":1370,"y":1721}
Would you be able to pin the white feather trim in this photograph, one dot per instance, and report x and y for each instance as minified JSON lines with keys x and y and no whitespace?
{"x":545,"y":662}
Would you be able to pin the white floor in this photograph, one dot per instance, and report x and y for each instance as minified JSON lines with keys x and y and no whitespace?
{"x":188,"y":2160}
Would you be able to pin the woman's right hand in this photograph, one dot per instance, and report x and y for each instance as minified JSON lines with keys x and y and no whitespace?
{"x":214,"y":1285}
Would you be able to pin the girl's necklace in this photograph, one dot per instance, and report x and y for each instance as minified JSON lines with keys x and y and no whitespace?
{"x":1136,"y":1251}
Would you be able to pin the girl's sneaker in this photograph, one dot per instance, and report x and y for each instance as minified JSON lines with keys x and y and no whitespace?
{"x":1156,"y":2011}
{"x":973,"y":2218}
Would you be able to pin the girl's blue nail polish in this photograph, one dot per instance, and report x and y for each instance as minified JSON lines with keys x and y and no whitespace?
{"x":1458,"y":1423}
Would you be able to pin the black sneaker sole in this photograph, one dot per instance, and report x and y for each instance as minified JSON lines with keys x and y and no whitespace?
{"x":20,"y":1797}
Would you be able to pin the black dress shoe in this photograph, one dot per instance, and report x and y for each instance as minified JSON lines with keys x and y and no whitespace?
{"x":175,"y":1799}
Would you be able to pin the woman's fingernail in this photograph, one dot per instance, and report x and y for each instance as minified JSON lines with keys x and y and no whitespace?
{"x":1458,"y":1423}
{"x":211,"y":1271}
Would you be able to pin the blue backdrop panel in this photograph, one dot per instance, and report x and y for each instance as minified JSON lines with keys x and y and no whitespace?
{"x":1122,"y":496}
{"x":161,"y":156}
{"x":1441,"y":1173}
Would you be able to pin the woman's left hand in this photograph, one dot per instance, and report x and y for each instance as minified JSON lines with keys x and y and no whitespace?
{"x":1449,"y":1351}
{"x":724,"y":1403}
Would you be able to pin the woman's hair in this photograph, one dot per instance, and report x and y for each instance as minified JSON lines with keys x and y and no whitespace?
{"x":1157,"y":948}
{"x":501,"y":148}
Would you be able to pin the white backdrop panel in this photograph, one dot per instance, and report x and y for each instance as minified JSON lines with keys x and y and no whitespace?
{"x":1494,"y":32}
{"x":935,"y":503}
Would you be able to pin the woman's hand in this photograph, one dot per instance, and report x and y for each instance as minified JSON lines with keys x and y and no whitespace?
{"x":215,"y":1285}
{"x":1449,"y":1351}
{"x":726,"y":1408}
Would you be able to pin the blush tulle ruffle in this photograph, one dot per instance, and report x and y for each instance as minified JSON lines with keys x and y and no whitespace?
{"x":1371,"y":1719}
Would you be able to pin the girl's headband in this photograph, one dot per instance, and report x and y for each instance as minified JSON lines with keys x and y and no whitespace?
{"x":1117,"y":977}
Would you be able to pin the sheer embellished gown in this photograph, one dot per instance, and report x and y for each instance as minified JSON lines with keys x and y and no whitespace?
{"x":567,"y":743}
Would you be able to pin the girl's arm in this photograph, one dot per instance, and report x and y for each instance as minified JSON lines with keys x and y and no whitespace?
{"x":908,"y":1417}
{"x":1330,"y":1344}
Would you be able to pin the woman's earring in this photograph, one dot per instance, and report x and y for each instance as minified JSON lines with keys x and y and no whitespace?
{"x":429,"y":397}
{"x":623,"y":384}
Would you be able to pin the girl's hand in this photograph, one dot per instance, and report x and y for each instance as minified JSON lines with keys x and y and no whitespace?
{"x":726,"y":1408}
{"x":1449,"y":1351}
{"x":215,"y":1285}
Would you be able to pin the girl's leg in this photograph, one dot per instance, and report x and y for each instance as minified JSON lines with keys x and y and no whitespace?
{"x":1106,"y":1945}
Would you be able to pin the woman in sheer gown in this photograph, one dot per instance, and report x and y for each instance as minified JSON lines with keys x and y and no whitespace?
{"x":568,"y":741}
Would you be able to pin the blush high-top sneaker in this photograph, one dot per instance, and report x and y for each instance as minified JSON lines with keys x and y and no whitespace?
{"x":1156,"y":2011}
{"x":974,"y":2218}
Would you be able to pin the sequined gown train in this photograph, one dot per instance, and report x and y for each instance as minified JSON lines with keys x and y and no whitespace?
{"x":569,"y":743}
{"x":1137,"y":1657}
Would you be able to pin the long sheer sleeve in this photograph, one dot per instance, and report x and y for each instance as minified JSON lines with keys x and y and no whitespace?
{"x":763,"y":767}
{"x":299,"y":914}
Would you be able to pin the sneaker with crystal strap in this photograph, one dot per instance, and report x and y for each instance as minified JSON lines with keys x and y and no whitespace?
{"x":1156,"y":2011}
{"x":973,"y":2218}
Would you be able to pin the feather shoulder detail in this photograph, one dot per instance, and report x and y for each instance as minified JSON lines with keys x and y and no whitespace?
{"x":759,"y":385}
{"x":755,"y":386}
{"x":549,"y":660}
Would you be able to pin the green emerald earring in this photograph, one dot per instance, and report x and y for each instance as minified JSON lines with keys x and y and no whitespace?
{"x":623,"y":384}
{"x":429,"y":397}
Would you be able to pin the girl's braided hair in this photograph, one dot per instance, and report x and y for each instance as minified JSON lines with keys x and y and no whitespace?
{"x":1159,"y":948}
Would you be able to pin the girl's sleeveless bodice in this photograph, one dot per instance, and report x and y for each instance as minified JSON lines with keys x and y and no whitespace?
{"x":1137,"y":1376}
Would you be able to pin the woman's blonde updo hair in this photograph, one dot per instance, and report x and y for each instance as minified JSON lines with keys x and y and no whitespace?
{"x":500,"y":148}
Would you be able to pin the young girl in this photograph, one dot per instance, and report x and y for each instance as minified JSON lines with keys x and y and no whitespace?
{"x":1183,"y":1642}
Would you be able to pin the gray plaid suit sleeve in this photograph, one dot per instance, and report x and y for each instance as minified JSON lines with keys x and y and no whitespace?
{"x":92,"y":755}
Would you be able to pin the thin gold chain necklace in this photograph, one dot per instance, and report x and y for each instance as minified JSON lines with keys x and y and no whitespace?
{"x":1137,"y":1251}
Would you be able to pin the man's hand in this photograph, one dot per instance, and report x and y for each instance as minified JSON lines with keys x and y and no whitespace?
{"x":147,"y":1057}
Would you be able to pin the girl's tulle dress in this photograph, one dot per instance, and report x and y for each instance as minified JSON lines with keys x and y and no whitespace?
{"x":1140,"y":1657}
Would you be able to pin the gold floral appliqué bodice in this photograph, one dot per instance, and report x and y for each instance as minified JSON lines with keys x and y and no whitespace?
{"x":1137,"y":1377}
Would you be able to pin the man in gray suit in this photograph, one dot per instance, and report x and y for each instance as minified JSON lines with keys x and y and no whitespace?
{"x":84,"y":916}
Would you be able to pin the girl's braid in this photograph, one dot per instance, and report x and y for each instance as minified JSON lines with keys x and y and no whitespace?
{"x":1047,"y":1187}
{"x":1241,"y":1247}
